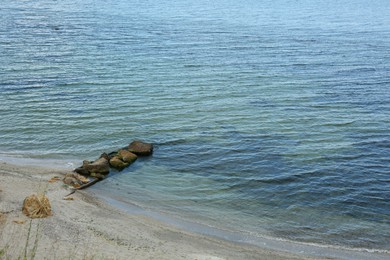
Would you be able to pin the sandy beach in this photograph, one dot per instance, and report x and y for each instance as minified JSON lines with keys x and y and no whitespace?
{"x":87,"y":228}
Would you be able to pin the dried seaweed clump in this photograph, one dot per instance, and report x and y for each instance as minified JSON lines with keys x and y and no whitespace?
{"x":37,"y":206}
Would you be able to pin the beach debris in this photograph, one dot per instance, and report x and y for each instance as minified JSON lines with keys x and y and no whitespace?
{"x":74,"y":179}
{"x":68,"y":198}
{"x":86,"y":185}
{"x":19,"y":221}
{"x":71,"y":182}
{"x":78,"y":181}
{"x":78,"y":177}
{"x":73,"y":191}
{"x":37,"y":206}
{"x":81,"y":178}
{"x":140,"y":148}
{"x":54,"y":179}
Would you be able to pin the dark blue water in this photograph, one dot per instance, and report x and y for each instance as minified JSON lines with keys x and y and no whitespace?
{"x":270,"y":118}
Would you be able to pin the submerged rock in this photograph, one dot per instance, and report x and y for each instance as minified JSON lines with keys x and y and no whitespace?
{"x":100,"y":166}
{"x":118,"y":159}
{"x":126,"y":156}
{"x":140,"y":148}
{"x":117,"y":163}
{"x":112,"y":154}
{"x":98,"y":175}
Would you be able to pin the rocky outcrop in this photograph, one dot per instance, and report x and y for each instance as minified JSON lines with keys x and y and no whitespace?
{"x":82,"y":171}
{"x":99,"y":166}
{"x":126,"y":156}
{"x":118,"y":160}
{"x":140,"y":148}
{"x":71,"y":182}
{"x":117,"y":163}
{"x":122,"y":159}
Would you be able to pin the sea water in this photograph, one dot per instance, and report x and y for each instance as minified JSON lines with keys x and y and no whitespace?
{"x":269,"y":118}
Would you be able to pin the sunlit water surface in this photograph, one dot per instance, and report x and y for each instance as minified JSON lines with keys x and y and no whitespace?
{"x":269,"y":118}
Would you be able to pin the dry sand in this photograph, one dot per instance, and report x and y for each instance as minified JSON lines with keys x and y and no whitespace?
{"x":87,"y":228}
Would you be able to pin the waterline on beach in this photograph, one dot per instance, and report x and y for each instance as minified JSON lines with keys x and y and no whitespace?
{"x":268,"y":116}
{"x":274,"y":243}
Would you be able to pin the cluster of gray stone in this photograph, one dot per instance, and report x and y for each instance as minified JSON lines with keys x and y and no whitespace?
{"x":119,"y":160}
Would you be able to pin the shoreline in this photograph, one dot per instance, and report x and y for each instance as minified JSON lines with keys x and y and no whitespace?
{"x":272,"y":243}
{"x":91,"y":227}
{"x":266,"y":242}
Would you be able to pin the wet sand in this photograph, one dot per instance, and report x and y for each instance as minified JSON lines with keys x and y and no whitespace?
{"x":88,"y":228}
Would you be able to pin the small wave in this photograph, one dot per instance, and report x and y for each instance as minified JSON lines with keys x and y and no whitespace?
{"x":357,"y":70}
{"x":253,"y":183}
{"x":172,"y":142}
{"x":346,"y":123}
{"x":192,"y":66}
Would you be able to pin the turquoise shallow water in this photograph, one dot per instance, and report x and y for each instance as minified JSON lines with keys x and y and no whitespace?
{"x":269,"y":118}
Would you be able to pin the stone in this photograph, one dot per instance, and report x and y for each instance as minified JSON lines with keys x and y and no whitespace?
{"x":117,"y":163}
{"x":126,"y":156}
{"x":140,"y":148}
{"x":98,"y":175}
{"x":112,"y":154}
{"x":82,"y":171}
{"x":100,"y":166}
{"x":71,"y":181}
{"x":105,"y":156}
